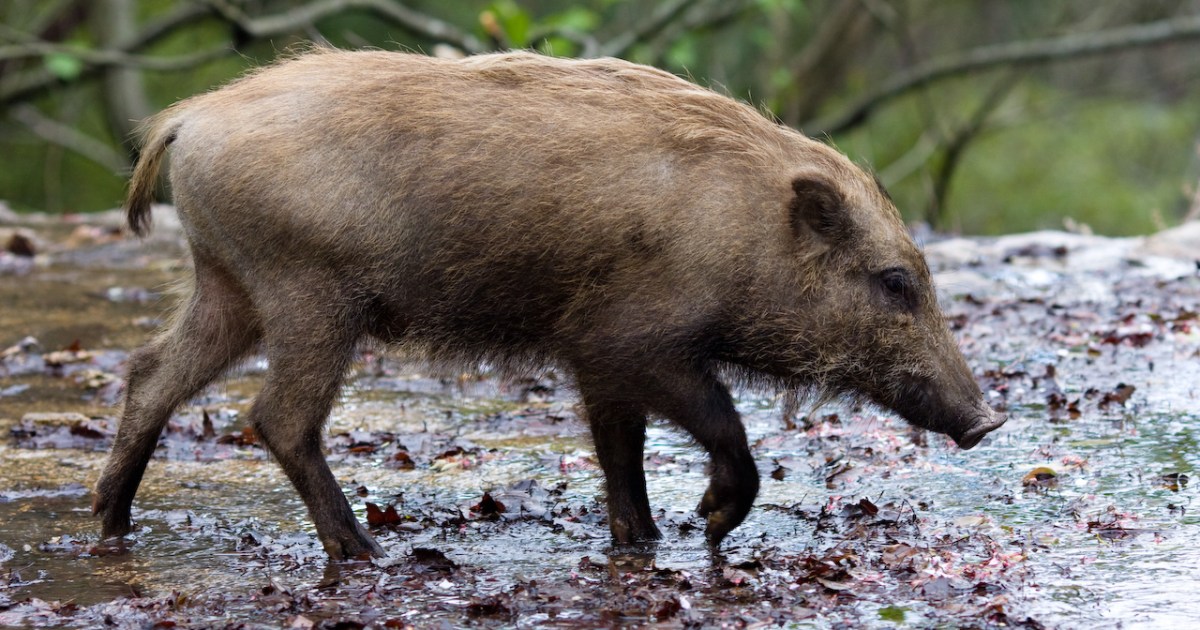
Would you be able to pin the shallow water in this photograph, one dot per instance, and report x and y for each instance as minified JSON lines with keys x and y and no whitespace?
{"x":1112,"y":542}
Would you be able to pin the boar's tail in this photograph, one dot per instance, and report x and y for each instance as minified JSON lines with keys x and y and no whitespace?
{"x":160,"y":133}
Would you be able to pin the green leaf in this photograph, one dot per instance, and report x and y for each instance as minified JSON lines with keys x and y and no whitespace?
{"x":514,"y":20}
{"x":577,"y":18}
{"x":684,"y":53}
{"x":63,"y":65}
{"x":892,"y":613}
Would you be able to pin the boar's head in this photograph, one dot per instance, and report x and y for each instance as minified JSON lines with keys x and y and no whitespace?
{"x":854,"y":310}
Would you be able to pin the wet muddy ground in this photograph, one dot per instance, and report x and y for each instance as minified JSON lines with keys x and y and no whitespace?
{"x":487,"y":498}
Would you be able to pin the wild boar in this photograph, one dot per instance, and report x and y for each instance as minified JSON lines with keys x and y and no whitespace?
{"x":647,"y":236}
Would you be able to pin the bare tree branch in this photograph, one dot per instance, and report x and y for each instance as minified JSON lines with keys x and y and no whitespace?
{"x":1012,"y":54}
{"x":50,"y":14}
{"x":306,"y":14}
{"x":24,"y":85}
{"x":957,"y":145}
{"x":106,"y":58}
{"x":69,"y":138}
{"x":123,"y":88}
{"x":157,"y":28}
{"x":914,"y":158}
{"x":711,"y":15}
{"x":820,"y":67}
{"x":619,"y":46}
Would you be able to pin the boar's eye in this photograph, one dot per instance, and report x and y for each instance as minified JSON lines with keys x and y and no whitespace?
{"x":897,"y":284}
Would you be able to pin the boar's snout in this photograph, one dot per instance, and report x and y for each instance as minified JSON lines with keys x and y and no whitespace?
{"x":959,"y":412}
{"x":970,"y":433}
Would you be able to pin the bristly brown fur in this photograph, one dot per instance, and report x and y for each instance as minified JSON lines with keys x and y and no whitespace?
{"x":646,"y":235}
{"x":145,"y":177}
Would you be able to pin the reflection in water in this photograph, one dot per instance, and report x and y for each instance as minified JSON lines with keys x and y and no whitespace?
{"x":631,"y":558}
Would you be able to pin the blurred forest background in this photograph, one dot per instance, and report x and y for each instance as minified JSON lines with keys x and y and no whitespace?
{"x":986,"y":116}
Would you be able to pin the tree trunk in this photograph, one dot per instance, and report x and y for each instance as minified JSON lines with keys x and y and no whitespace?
{"x":124,"y":92}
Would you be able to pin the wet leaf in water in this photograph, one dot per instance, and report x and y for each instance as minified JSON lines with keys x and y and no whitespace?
{"x":898,"y":554}
{"x":379,"y":518}
{"x":1174,"y":481}
{"x":1119,"y":395}
{"x":401,"y":461}
{"x":779,"y":473}
{"x":1040,"y":477}
{"x":245,"y":437}
{"x":88,"y":429}
{"x":972,"y":520}
{"x":487,"y":506}
{"x":62,"y":430}
{"x":431,"y":560}
{"x":207,"y":432}
{"x":490,"y":606}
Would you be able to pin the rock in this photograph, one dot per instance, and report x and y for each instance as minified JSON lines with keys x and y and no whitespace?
{"x":21,"y":242}
{"x":1182,"y":242}
{"x":954,"y":253}
{"x":1045,"y":241}
{"x":955,"y":283}
{"x":7,"y":215}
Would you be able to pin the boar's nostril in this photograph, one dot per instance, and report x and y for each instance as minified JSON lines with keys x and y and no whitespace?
{"x":982,"y":427}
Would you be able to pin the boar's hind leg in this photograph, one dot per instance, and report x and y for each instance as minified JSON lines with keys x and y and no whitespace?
{"x":619,"y":433}
{"x":308,"y":355}
{"x":698,"y":402}
{"x":215,"y":328}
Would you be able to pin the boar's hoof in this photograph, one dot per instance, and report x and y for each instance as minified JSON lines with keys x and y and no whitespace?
{"x":112,"y":523}
{"x":356,"y":545}
{"x":631,"y":531}
{"x":724,"y":513}
{"x":973,"y":435}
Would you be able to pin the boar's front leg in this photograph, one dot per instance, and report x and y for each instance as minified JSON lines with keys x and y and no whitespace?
{"x":617,"y":398}
{"x":308,"y":355}
{"x":619,"y":431}
{"x":693,"y":398}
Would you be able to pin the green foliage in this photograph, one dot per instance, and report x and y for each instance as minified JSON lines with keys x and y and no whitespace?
{"x":65,"y":66}
{"x":1124,"y":180}
{"x":1054,"y":149}
{"x":513,"y":20}
{"x":1117,"y":165}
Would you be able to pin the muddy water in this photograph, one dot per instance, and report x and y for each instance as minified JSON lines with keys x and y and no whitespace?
{"x":1110,"y":540}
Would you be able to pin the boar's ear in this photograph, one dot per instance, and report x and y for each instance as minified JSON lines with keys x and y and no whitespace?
{"x":818,"y":207}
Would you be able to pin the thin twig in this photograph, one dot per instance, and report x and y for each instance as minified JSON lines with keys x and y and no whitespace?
{"x":291,"y":20}
{"x":69,"y":138}
{"x":104,"y":58}
{"x":157,"y":28}
{"x":620,"y":45}
{"x":958,"y":143}
{"x":1022,"y":53}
